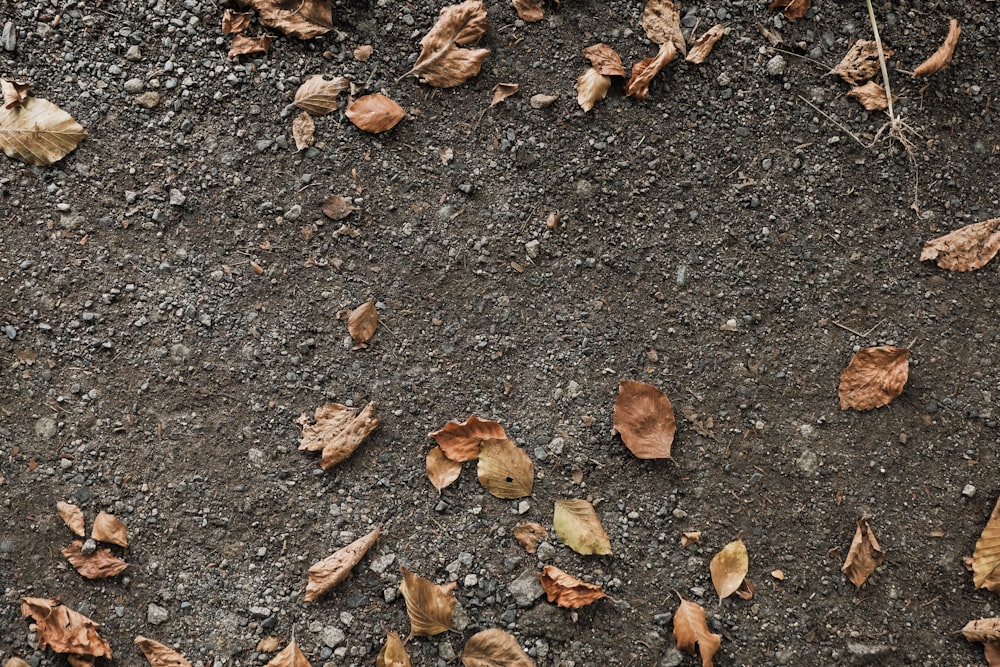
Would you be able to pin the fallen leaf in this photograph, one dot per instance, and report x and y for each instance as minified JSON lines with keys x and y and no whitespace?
{"x":875,"y":376}
{"x":14,"y":93}
{"x":80,"y":661}
{"x":244,"y":46}
{"x":746,"y":590}
{"x":38,"y":132}
{"x":16,"y":662}
{"x":234,"y":21}
{"x":778,"y":574}
{"x":302,"y":19}
{"x":268,"y":644}
{"x":318,"y":94}
{"x":442,"y":63}
{"x":986,"y":630}
{"x":429,"y":606}
{"x":446,"y":155}
{"x":72,"y":516}
{"x":494,"y":648}
{"x":64,"y":630}
{"x":791,"y":9}
{"x":690,"y":628}
{"x":965,"y":249}
{"x":942,"y":57}
{"x":591,"y":87}
{"x":861,"y":62}
{"x":662,"y":22}
{"x":159,"y":655}
{"x":304,"y":131}
{"x":687,"y":539}
{"x":363,"y":52}
{"x":864,"y":556}
{"x":566,"y":590}
{"x":703,"y":45}
{"x":110,"y":529}
{"x":871,"y":96}
{"x":604,"y":59}
{"x":644,"y":71}
{"x":529,"y":11}
{"x":729,"y":568}
{"x":333,"y":569}
{"x":441,"y":470}
{"x":528,"y":535}
{"x":362,"y":322}
{"x":578,"y":526}
{"x":337,"y":431}
{"x":374,"y":113}
{"x":99,"y":565}
{"x":393,"y":654}
{"x":460,"y":441}
{"x":502,"y":91}
{"x":986,"y":557}
{"x":336,"y":207}
{"x":645,"y":420}
{"x":505,"y":470}
{"x":290,"y":656}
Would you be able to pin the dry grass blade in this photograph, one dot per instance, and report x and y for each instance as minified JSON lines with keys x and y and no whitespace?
{"x":528,"y":535}
{"x":494,"y":648}
{"x":591,"y":87}
{"x":604,"y":59}
{"x":318,"y":94}
{"x":160,"y":655}
{"x":567,"y":591}
{"x":110,"y":529}
{"x":303,"y":131}
{"x":864,"y":556}
{"x":871,"y":96}
{"x":645,"y":420}
{"x":290,"y":656}
{"x":441,"y":470}
{"x":644,"y":71}
{"x":691,"y":630}
{"x":38,"y":132}
{"x":791,"y":9}
{"x":860,"y":63}
{"x":965,"y":249}
{"x":942,"y":57}
{"x":704,"y":44}
{"x":72,"y":516}
{"x":505,"y":470}
{"x":430,"y":607}
{"x":986,"y":557}
{"x":460,"y":441}
{"x":578,"y":526}
{"x":101,"y":564}
{"x":393,"y":653}
{"x":362,"y":322}
{"x":875,"y":376}
{"x":245,"y":46}
{"x":374,"y":113}
{"x":302,"y":19}
{"x":333,"y":569}
{"x":64,"y":630}
{"x":529,"y":11}
{"x":442,"y":63}
{"x":234,"y":22}
{"x":729,"y":568}
{"x":14,"y":93}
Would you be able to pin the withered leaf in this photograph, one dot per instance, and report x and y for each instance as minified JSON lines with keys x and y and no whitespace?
{"x":99,"y":565}
{"x":875,"y":376}
{"x":986,"y":630}
{"x":689,"y":538}
{"x":505,"y":470}
{"x":661,"y":20}
{"x":362,"y":322}
{"x":644,"y":71}
{"x":645,"y":420}
{"x":942,"y":57}
{"x":441,"y":470}
{"x":690,"y":629}
{"x":986,"y":557}
{"x":268,"y":644}
{"x":302,"y":19}
{"x":746,"y":590}
{"x":460,"y":441}
{"x":318,"y":94}
{"x":578,"y":526}
{"x":864,"y":556}
{"x":604,"y":59}
{"x":337,"y":431}
{"x":290,"y":656}
{"x":729,"y":568}
{"x":110,"y":529}
{"x":233,"y":21}
{"x":442,"y":62}
{"x":861,"y":62}
{"x":336,"y":207}
{"x":871,"y":96}
{"x":528,"y":535}
{"x":16,"y":662}
{"x":333,"y":569}
{"x":591,"y":87}
{"x":363,"y":52}
{"x":965,"y":249}
{"x":72,"y":516}
{"x":529,"y":11}
{"x":502,"y":91}
{"x":38,"y":132}
{"x":159,"y":655}
{"x":494,"y":648}
{"x":566,"y":590}
{"x":63,"y":629}
{"x":429,"y":606}
{"x":244,"y":46}
{"x":791,"y":9}
{"x":392,"y":654}
{"x":14,"y":93}
{"x":703,"y":45}
{"x":374,"y":113}
{"x":304,"y":131}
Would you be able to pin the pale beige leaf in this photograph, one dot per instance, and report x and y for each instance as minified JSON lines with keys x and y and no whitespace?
{"x":393,"y":653}
{"x":645,"y":420}
{"x":871,"y":96}
{"x":333,"y":569}
{"x":778,"y":574}
{"x":578,"y":526}
{"x":336,"y":207}
{"x":244,"y":46}
{"x":704,"y":44}
{"x":38,"y":132}
{"x":16,"y":662}
{"x":318,"y":94}
{"x":791,"y":9}
{"x":942,"y":57}
{"x":460,"y":441}
{"x":268,"y":644}
{"x":362,"y":322}
{"x":441,"y":470}
{"x":343,"y":445}
{"x":566,"y":590}
{"x":14,"y":93}
{"x":982,"y":630}
{"x":494,"y":648}
{"x":374,"y":113}
{"x":861,"y":62}
{"x":986,"y":557}
{"x":110,"y":529}
{"x":875,"y":376}
{"x":302,"y":19}
{"x":234,"y":21}
{"x":502,"y":91}
{"x":99,"y":565}
{"x":729,"y":568}
{"x":429,"y":606}
{"x":329,"y":421}
{"x":442,"y":63}
{"x":528,"y":535}
{"x":661,"y":20}
{"x":304,"y":131}
{"x":591,"y":87}
{"x":290,"y":656}
{"x":505,"y":470}
{"x":64,"y":630}
{"x":965,"y":249}
{"x":644,"y":71}
{"x":159,"y":655}
{"x":689,"y":538}
{"x":72,"y":516}
{"x":363,"y":52}
{"x":690,"y":629}
{"x":604,"y":59}
{"x":529,"y":11}
{"x":864,"y":556}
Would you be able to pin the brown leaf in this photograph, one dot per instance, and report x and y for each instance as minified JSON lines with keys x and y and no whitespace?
{"x":875,"y":376}
{"x":690,"y":628}
{"x":430,"y":606}
{"x":703,"y":45}
{"x":529,"y":11}
{"x":578,"y":526}
{"x":871,"y":96}
{"x":494,"y":648}
{"x":110,"y":529}
{"x":333,"y":569}
{"x":566,"y":590}
{"x":304,"y":131}
{"x":941,"y":57}
{"x":14,"y":93}
{"x":318,"y":94}
{"x":244,"y":46}
{"x":505,"y":470}
{"x":337,"y":431}
{"x":64,"y":630}
{"x":965,"y":249}
{"x":290,"y":656}
{"x":982,"y":630}
{"x":604,"y":59}
{"x":99,"y":565}
{"x":374,"y":113}
{"x":746,"y":590}
{"x":729,"y":568}
{"x":159,"y":655}
{"x":864,"y":556}
{"x":689,"y":538}
{"x":302,"y":19}
{"x":234,"y":21}
{"x":268,"y":644}
{"x":662,"y":22}
{"x":393,"y":654}
{"x":441,"y":470}
{"x":80,"y":660}
{"x":591,"y":87}
{"x":502,"y":91}
{"x":336,"y":207}
{"x":645,"y":419}
{"x":363,"y":52}
{"x":861,"y":62}
{"x":791,"y":9}
{"x":986,"y":557}
{"x":16,"y":662}
{"x":442,"y":63}
{"x":339,"y":448}
{"x":72,"y":516}
{"x":644,"y":71}
{"x":461,"y":442}
{"x":362,"y":322}
{"x":38,"y":132}
{"x":528,"y":535}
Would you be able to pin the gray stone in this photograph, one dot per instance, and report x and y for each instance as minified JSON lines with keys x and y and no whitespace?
{"x":46,"y":428}
{"x":148,"y":100}
{"x":460,"y":621}
{"x":969,"y":491}
{"x":382,"y":563}
{"x":134,"y":86}
{"x":776,"y":66}
{"x":808,"y":462}
{"x":545,"y":552}
{"x":446,"y":651}
{"x":133,"y":54}
{"x":541,"y":101}
{"x":526,"y":589}
{"x":867,"y":654}
{"x":332,"y":637}
{"x":671,"y":658}
{"x":89,"y":547}
{"x":179,"y":353}
{"x":8,"y":38}
{"x":177,"y":197}
{"x":259,"y":612}
{"x":546,"y":620}
{"x":156,"y":614}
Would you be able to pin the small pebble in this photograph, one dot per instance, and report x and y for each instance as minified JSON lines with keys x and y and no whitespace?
{"x":969,"y":491}
{"x":776,"y":66}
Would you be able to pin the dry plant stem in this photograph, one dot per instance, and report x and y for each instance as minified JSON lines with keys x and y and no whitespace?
{"x":881,"y":62}
{"x":834,"y":121}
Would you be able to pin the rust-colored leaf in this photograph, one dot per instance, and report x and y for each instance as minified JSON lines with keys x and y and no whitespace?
{"x":644,"y":71}
{"x":99,"y":565}
{"x":578,"y":526}
{"x":645,"y":420}
{"x":333,"y":569}
{"x":875,"y":376}
{"x":392,"y":654}
{"x":529,"y":11}
{"x":591,"y":87}
{"x":504,"y":469}
{"x":442,"y":62}
{"x":429,"y":606}
{"x":871,"y":96}
{"x":374,"y":113}
{"x":986,"y":557}
{"x":861,"y":62}
{"x":729,"y":568}
{"x":159,"y":655}
{"x":14,"y":93}
{"x":965,"y":249}
{"x":72,"y":516}
{"x":110,"y":529}
{"x":362,"y":322}
{"x":703,"y":45}
{"x":302,"y":19}
{"x":234,"y":21}
{"x":689,"y":538}
{"x":244,"y":46}
{"x":303,"y":131}
{"x":864,"y":556}
{"x":461,"y":441}
{"x":290,"y":656}
{"x":791,"y":9}
{"x":690,"y":629}
{"x":38,"y":132}
{"x":337,"y":431}
{"x":318,"y":95}
{"x":441,"y":470}
{"x":942,"y":57}
{"x":63,"y":629}
{"x":528,"y":535}
{"x":336,"y":207}
{"x":502,"y":91}
{"x":566,"y":590}
{"x":494,"y":648}
{"x":604,"y":59}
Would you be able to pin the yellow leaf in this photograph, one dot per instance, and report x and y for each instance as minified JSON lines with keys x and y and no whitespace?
{"x":429,"y":606}
{"x":494,"y":648}
{"x":100,"y":564}
{"x":505,"y":470}
{"x":703,"y":45}
{"x":333,"y":569}
{"x":591,"y":87}
{"x":604,"y":59}
{"x":159,"y":655}
{"x":577,"y":525}
{"x":38,"y":132}
{"x":729,"y":568}
{"x":860,"y":63}
{"x":690,"y":628}
{"x":502,"y":91}
{"x":302,"y":19}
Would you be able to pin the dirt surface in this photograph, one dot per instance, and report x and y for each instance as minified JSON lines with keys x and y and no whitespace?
{"x":150,"y":371}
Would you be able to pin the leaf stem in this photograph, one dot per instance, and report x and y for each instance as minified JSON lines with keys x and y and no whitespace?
{"x":881,"y":62}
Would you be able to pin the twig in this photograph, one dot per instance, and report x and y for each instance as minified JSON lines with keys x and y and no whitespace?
{"x":832,"y":120}
{"x":881,"y":63}
{"x":799,"y":55}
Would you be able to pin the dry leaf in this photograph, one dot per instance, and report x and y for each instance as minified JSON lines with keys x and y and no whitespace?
{"x":460,"y":442}
{"x":965,"y":249}
{"x":442,"y":63}
{"x":72,"y":516}
{"x":875,"y":376}
{"x":791,"y":9}
{"x":441,"y":470}
{"x":644,"y":71}
{"x":393,"y":654}
{"x":16,"y":662}
{"x":302,"y":19}
{"x":318,"y":95}
{"x":861,"y":62}
{"x":729,"y":568}
{"x":986,"y":630}
{"x":864,"y":556}
{"x":690,"y":628}
{"x":99,"y":565}
{"x":290,"y":656}
{"x":362,"y":322}
{"x":578,"y":526}
{"x":374,"y":113}
{"x":333,"y":569}
{"x":336,"y":207}
{"x":502,"y":91}
{"x":268,"y":644}
{"x":871,"y":96}
{"x":233,"y":21}
{"x":528,"y":535}
{"x":703,"y":45}
{"x":80,"y":661}
{"x":304,"y":131}
{"x":941,"y":57}
{"x":566,"y":590}
{"x":604,"y":59}
{"x":778,"y":574}
{"x":38,"y":132}
{"x":159,"y":655}
{"x":494,"y":648}
{"x":645,"y":419}
{"x":687,"y":539}
{"x":14,"y":93}
{"x":244,"y":46}
{"x":363,"y":52}
{"x":746,"y":590}
{"x":110,"y":529}
{"x":505,"y":470}
{"x":591,"y":87}
{"x":529,"y":11}
{"x":430,"y":606}
{"x":337,"y":430}
{"x":662,"y":22}
{"x":64,"y":630}
{"x":986,"y":557}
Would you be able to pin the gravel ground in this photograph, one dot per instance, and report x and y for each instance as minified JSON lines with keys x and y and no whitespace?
{"x":151,"y":372}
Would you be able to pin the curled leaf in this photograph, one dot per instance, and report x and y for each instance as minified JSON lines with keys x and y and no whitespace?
{"x":72,"y":516}
{"x":661,"y":20}
{"x":986,"y":630}
{"x":986,"y":557}
{"x":336,"y":207}
{"x":160,"y":655}
{"x":362,"y":322}
{"x":871,"y":96}
{"x":302,"y":19}
{"x":861,"y":62}
{"x":703,"y":45}
{"x":375,"y":113}
{"x":689,"y":538}
{"x":502,"y":91}
{"x":528,"y":535}
{"x":591,"y":87}
{"x":505,"y":470}
{"x":290,"y":656}
{"x":233,"y":22}
{"x":441,"y":470}
{"x":393,"y":653}
{"x":442,"y":63}
{"x":644,"y":71}
{"x":566,"y":590}
{"x":645,"y":419}
{"x":875,"y":376}
{"x":864,"y":556}
{"x":38,"y":132}
{"x":729,"y":568}
{"x":691,"y":629}
{"x":429,"y":606}
{"x":337,"y":431}
{"x":529,"y":11}
{"x":245,"y":46}
{"x":333,"y":569}
{"x":108,"y":528}
{"x":494,"y":648}
{"x":101,"y":564}
{"x":965,"y":249}
{"x":461,"y":441}
{"x":303,"y":131}
{"x":578,"y":526}
{"x":942,"y":57}
{"x":791,"y":9}
{"x":14,"y":93}
{"x":604,"y":59}
{"x":63,"y":629}
{"x":318,"y":94}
